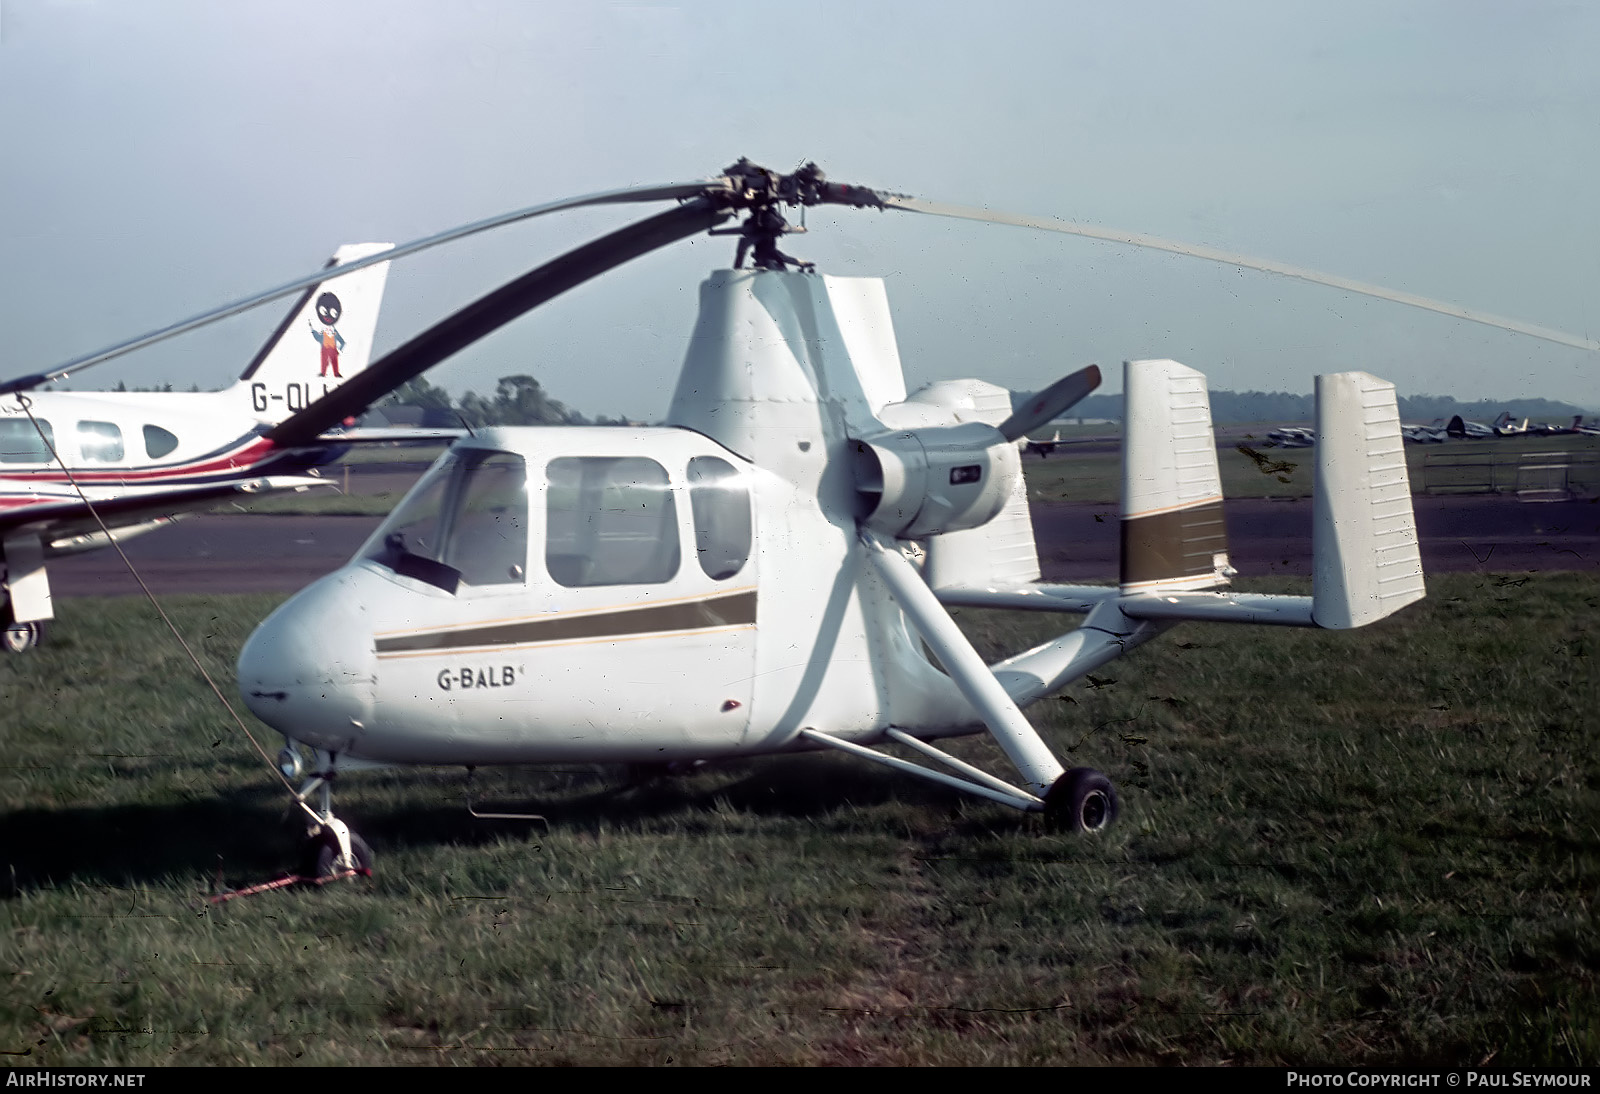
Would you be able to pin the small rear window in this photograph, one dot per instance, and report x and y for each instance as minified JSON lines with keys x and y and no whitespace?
{"x":158,"y":442}
{"x":721,"y":505}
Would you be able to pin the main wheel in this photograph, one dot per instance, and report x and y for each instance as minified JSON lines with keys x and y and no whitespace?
{"x":22,"y":637}
{"x":324,"y":848}
{"x":1082,"y":800}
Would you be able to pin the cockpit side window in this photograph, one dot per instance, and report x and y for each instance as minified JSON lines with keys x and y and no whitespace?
{"x":465,"y":522}
{"x":100,"y":442}
{"x":417,"y":524}
{"x":611,"y":521}
{"x":720,"y":501}
{"x":20,"y":441}
{"x":488,"y":537}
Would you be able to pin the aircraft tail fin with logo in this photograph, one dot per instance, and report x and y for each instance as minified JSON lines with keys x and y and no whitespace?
{"x":324,"y":340}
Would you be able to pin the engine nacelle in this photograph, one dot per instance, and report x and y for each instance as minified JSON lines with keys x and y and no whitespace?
{"x":924,"y":482}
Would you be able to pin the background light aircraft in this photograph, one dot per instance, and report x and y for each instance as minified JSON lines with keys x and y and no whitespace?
{"x":1460,"y":428}
{"x":80,"y":470}
{"x":1292,"y":436}
{"x":1545,"y":429}
{"x":1426,"y":434}
{"x":771,"y":571}
{"x":1042,"y":449}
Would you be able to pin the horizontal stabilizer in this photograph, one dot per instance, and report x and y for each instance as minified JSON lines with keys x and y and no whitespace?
{"x":62,"y":524}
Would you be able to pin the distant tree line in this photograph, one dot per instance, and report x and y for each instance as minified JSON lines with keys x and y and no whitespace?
{"x":1280,"y":406}
{"x":517,"y":400}
{"x":521,"y":400}
{"x":121,"y":386}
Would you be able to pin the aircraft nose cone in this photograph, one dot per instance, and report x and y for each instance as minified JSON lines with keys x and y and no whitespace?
{"x":309,"y":669}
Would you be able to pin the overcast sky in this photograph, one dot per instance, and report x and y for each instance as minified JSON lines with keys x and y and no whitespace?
{"x":157,"y":158}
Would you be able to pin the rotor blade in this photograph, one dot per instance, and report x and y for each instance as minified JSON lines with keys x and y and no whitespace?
{"x":665,"y":192}
{"x":1228,"y":258}
{"x":1050,"y":403}
{"x":491,"y":312}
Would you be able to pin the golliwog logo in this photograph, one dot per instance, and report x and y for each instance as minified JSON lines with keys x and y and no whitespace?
{"x":328,"y":337}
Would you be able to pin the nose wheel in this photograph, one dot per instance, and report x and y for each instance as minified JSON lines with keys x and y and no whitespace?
{"x":324,"y":857}
{"x":22,"y":637}
{"x":332,"y":851}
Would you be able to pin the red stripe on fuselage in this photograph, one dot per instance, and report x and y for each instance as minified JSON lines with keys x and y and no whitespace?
{"x":250,"y":451}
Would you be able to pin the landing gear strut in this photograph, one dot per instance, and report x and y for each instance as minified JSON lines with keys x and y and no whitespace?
{"x":331,"y":850}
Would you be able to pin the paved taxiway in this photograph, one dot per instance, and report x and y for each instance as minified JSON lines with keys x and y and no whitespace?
{"x":1077,"y":542}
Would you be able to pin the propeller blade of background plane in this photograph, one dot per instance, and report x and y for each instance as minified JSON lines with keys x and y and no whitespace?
{"x":491,"y":312}
{"x":1050,"y":403}
{"x":664,"y":192}
{"x":1228,"y":258}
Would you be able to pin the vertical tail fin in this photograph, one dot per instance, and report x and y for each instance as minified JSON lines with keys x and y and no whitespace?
{"x":325,"y":339}
{"x":1365,"y":563}
{"x":1173,"y":536}
{"x":1365,"y":537}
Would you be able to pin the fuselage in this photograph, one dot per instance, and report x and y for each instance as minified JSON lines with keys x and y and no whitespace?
{"x":631,"y":595}
{"x":120,"y":444}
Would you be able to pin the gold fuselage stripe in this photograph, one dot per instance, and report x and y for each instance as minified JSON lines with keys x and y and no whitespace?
{"x":732,"y":609}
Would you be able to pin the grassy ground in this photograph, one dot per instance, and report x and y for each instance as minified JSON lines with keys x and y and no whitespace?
{"x":327,"y":503}
{"x":1334,"y":848}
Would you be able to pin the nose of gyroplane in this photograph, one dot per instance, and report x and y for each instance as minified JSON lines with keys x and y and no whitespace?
{"x":309,"y":669}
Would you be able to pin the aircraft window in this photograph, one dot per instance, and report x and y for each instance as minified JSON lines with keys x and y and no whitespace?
{"x":158,"y":442}
{"x":414,"y":528}
{"x":20,"y":442}
{"x":721,"y":504}
{"x":465,"y":522}
{"x":611,"y":521}
{"x":488,"y":536}
{"x":100,"y":442}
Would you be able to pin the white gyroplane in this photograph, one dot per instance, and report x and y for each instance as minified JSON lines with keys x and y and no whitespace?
{"x":770,"y":571}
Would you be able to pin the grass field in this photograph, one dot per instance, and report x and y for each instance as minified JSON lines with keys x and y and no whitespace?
{"x":1334,"y":848}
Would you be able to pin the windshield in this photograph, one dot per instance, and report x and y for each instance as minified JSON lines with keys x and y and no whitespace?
{"x":466,"y":521}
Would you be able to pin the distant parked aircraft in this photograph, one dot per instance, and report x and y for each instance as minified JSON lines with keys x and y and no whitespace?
{"x":1041,"y":448}
{"x":1292,"y":437}
{"x":1426,"y":434}
{"x":1460,"y":428}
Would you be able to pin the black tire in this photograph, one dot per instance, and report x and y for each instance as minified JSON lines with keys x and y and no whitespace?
{"x":22,"y":637}
{"x":324,"y":848}
{"x":1082,"y":800}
